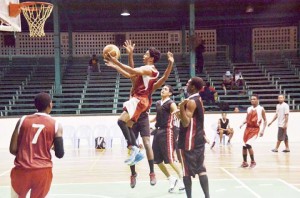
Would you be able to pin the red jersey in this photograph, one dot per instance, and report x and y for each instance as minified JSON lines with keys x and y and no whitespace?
{"x":143,"y":85}
{"x":36,"y":137}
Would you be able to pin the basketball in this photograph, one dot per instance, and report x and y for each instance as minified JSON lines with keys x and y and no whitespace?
{"x":111,"y":49}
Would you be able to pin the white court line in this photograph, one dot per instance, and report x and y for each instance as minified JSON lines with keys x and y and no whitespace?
{"x":240,"y":182}
{"x":289,"y":185}
{"x":5,"y":172}
{"x":265,"y":184}
{"x":283,"y":166}
{"x":82,"y":195}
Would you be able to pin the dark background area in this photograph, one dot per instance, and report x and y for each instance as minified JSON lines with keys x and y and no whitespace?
{"x":229,"y":17}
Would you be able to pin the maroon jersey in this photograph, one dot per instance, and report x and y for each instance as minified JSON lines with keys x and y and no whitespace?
{"x":36,"y":136}
{"x":192,"y":136}
{"x":143,"y":85}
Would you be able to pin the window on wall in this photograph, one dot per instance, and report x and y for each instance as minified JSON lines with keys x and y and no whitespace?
{"x":9,"y":40}
{"x":174,"y":38}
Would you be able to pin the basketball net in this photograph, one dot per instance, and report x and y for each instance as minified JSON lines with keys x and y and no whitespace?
{"x":36,"y":15}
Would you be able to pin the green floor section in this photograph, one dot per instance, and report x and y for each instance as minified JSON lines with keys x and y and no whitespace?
{"x":250,"y":188}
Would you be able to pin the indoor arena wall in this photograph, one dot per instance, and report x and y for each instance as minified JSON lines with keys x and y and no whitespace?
{"x":109,"y":124}
{"x":88,"y":43}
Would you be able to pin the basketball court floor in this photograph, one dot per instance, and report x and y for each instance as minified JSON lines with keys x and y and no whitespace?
{"x":88,"y":173}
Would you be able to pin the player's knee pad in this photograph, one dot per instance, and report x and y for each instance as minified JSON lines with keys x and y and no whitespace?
{"x":244,"y":148}
{"x":248,"y":146}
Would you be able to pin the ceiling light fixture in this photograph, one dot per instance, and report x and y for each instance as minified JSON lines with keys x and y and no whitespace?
{"x":125,"y":13}
{"x":249,"y":9}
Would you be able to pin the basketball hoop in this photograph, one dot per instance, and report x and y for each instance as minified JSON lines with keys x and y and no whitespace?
{"x":35,"y":13}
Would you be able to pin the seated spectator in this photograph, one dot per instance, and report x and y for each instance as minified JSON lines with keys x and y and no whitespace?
{"x":208,"y":93}
{"x":94,"y":65}
{"x":223,"y":128}
{"x":236,"y":110}
{"x":228,"y":82}
{"x":239,"y":80}
{"x":239,"y":109}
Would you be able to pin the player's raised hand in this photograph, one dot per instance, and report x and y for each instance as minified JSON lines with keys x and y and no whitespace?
{"x":129,"y":46}
{"x":170,"y":57}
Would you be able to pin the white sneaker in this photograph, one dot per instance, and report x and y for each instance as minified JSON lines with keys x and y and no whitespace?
{"x":133,"y":152}
{"x":181,"y":187}
{"x":172,"y":183}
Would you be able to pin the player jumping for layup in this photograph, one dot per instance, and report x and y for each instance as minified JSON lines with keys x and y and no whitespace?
{"x":145,"y":77}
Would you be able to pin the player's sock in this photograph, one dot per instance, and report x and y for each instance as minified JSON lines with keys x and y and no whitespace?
{"x":125,"y":131}
{"x":245,"y":158}
{"x":245,"y":154}
{"x":151,"y":165}
{"x":252,"y":158}
{"x":132,"y":169}
{"x":188,"y":186}
{"x":204,"y":185}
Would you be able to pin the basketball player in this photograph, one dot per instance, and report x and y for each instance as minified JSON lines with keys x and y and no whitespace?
{"x":146,"y":76}
{"x":163,"y":141}
{"x":142,"y":124}
{"x":255,"y":116}
{"x":282,"y":113}
{"x":192,"y":137}
{"x":31,"y":142}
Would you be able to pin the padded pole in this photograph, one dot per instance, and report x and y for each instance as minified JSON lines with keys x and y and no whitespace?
{"x":298,"y":40}
{"x":192,"y":38}
{"x":56,"y":39}
{"x":183,"y":40}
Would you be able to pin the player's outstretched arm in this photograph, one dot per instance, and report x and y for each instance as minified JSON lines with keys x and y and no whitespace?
{"x":120,"y":70}
{"x":110,"y":60}
{"x":13,"y":147}
{"x":166,"y":74}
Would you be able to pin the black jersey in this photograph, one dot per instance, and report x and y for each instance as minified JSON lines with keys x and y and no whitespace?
{"x":192,"y":136}
{"x":224,"y":124}
{"x":164,"y":118}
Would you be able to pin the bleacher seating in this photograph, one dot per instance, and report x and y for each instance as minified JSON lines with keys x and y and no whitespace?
{"x":82,"y":93}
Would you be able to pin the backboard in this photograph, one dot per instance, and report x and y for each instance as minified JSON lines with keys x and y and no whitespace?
{"x":7,"y":23}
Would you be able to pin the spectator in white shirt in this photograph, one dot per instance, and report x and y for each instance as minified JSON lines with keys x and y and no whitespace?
{"x":282,"y":113}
